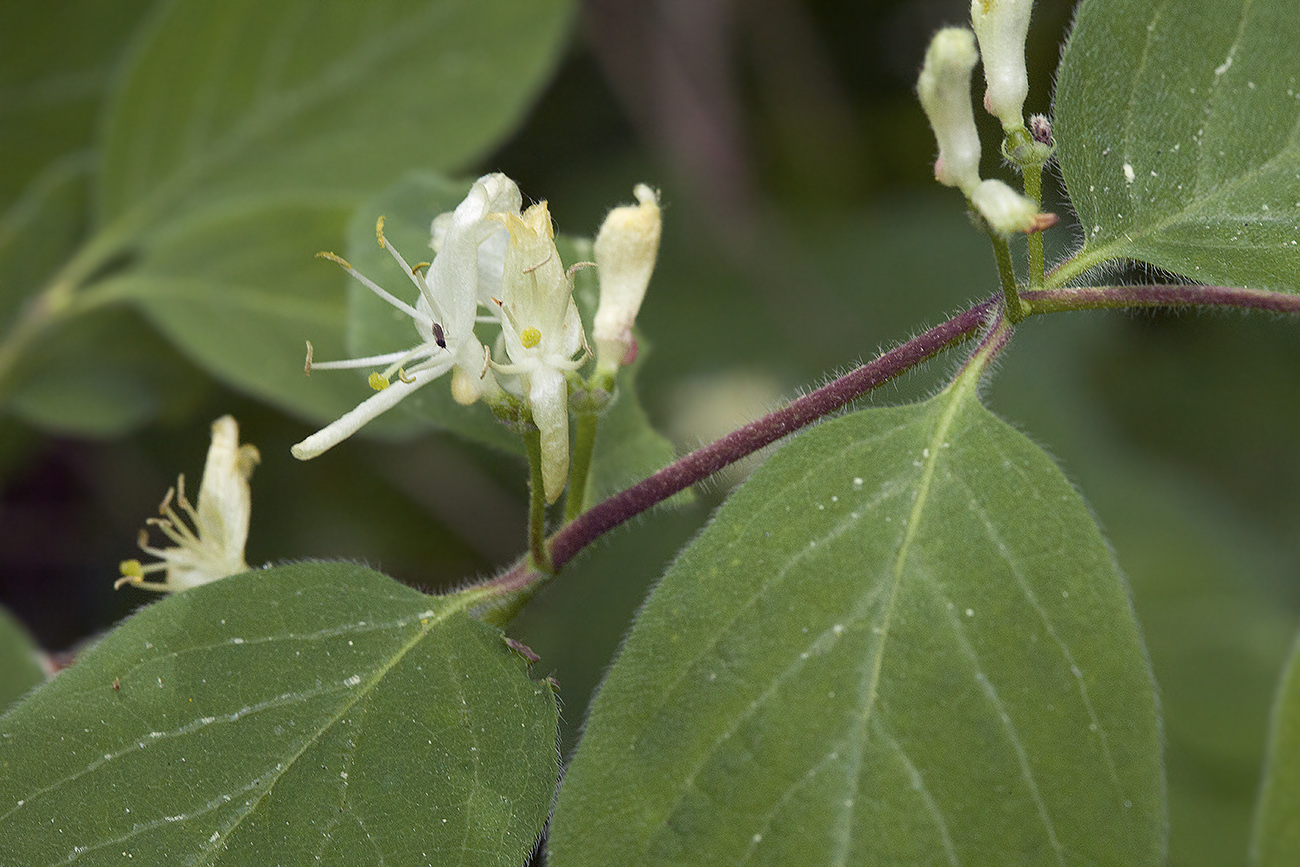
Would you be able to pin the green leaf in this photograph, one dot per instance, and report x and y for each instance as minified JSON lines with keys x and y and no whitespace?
{"x":20,"y":667}
{"x":41,"y":230}
{"x":1277,"y":822}
{"x":313,"y":711}
{"x":1212,"y":590}
{"x":56,"y":63}
{"x":245,"y":134}
{"x":903,"y":641}
{"x":1178,"y":125}
{"x":103,"y":375}
{"x":248,"y":99}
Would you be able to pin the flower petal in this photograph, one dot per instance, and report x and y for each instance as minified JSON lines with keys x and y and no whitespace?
{"x":548,"y":396}
{"x":225,"y":500}
{"x":353,"y":420}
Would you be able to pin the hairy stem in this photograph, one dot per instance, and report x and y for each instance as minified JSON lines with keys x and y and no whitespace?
{"x":1033,"y":174}
{"x":584,"y":444}
{"x":1016,"y":309}
{"x":521,"y":582}
{"x":1157,"y":295}
{"x":537,"y":503}
{"x":701,"y":464}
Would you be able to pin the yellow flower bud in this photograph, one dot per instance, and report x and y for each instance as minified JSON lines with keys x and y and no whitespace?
{"x":626,"y":249}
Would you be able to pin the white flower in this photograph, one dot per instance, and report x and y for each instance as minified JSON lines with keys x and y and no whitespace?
{"x":1002,"y":26}
{"x":541,"y":332}
{"x":444,"y":314}
{"x":1007,"y":211}
{"x":626,"y":248}
{"x":210,"y":544}
{"x":944,"y":91}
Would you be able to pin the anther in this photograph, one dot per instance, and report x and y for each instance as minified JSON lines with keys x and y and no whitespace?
{"x":333,"y":257}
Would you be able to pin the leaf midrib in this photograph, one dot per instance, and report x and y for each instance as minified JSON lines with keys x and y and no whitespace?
{"x":460,"y":604}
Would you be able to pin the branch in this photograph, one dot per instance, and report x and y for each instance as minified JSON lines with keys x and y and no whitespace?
{"x":704,"y":462}
{"x":1158,"y":295}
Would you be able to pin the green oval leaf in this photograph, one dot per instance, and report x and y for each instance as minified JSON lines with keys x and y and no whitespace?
{"x":1178,"y":127}
{"x":313,"y":711}
{"x":1277,"y":822}
{"x":903,"y":641}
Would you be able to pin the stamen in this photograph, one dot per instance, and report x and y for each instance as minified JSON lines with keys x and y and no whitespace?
{"x":578,"y":266}
{"x":415,"y":269}
{"x":306,"y":367}
{"x":378,"y":381}
{"x":401,"y":374}
{"x":419,"y":282}
{"x":530,"y":337}
{"x":380,"y":291}
{"x":438,"y":337}
{"x":539,"y":264}
{"x":335,"y":258}
{"x":379,"y":232}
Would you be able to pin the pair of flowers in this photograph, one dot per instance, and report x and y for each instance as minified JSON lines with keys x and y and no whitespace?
{"x":496,"y":264}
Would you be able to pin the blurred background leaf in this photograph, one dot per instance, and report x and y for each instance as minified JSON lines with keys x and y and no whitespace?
{"x":20,"y":666}
{"x":1277,"y":827}
{"x":56,"y":64}
{"x":244,"y":134}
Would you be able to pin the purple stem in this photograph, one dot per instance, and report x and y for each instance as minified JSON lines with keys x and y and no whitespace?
{"x":700,"y":464}
{"x":704,"y":462}
{"x":1160,"y":295}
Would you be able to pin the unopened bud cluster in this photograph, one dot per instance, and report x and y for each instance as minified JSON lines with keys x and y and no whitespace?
{"x":944,"y":90}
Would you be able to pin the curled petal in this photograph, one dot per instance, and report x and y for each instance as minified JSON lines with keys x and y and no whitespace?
{"x":353,"y":420}
{"x":225,"y":500}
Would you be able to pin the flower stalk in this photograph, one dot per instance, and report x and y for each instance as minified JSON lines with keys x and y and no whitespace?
{"x":537,"y":547}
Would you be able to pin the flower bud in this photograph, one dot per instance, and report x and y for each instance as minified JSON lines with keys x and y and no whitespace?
{"x":1001,"y":26}
{"x":1007,"y":211}
{"x":944,"y":91}
{"x":626,"y":248}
